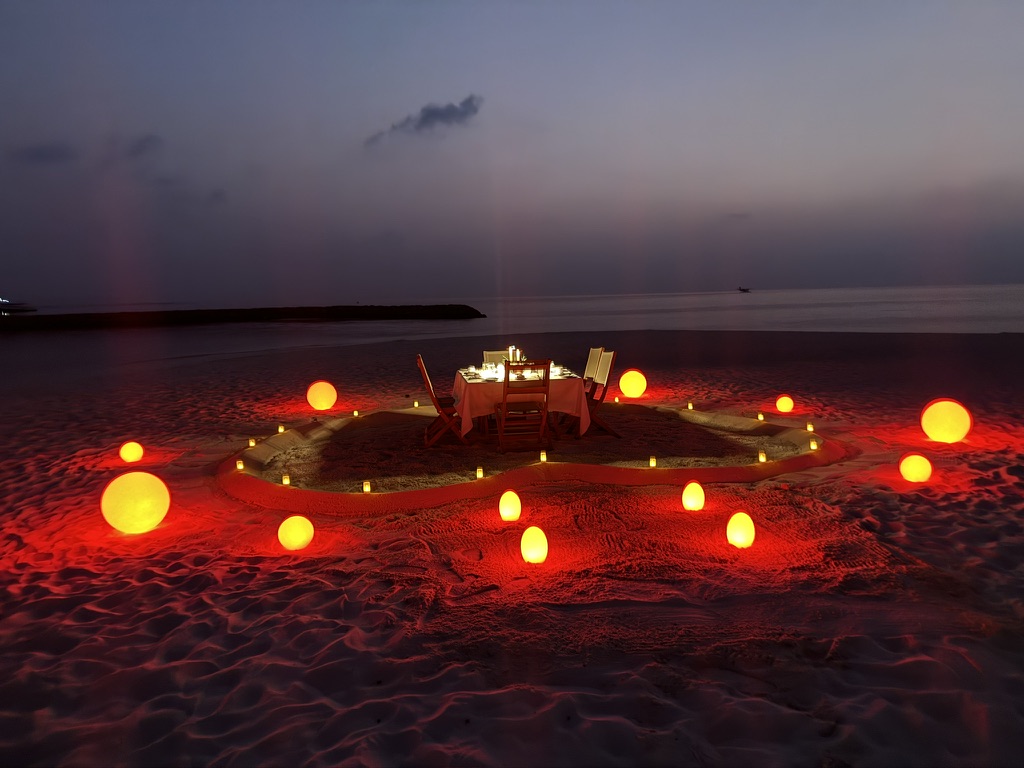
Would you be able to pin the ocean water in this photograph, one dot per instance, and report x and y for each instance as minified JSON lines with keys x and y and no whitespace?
{"x":947,"y":309}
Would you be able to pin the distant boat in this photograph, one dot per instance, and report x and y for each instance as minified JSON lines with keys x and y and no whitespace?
{"x":743,"y":290}
{"x":8,"y":307}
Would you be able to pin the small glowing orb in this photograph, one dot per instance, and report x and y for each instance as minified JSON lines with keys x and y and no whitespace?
{"x":632,"y":383}
{"x":509,"y":506}
{"x":135,"y":502}
{"x":130,"y":452}
{"x":915,"y":468}
{"x":740,"y":530}
{"x":946,"y":421}
{"x":784,"y":403}
{"x":534,"y":545}
{"x":295,"y":532}
{"x":321,"y":395}
{"x":693,"y":496}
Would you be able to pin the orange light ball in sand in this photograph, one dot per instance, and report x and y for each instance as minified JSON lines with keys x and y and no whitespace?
{"x":632,"y":383}
{"x":915,"y":468}
{"x":740,"y":531}
{"x":130,"y":452}
{"x":135,"y":502}
{"x":693,"y":496}
{"x":295,"y":532}
{"x":321,"y":395}
{"x":946,"y":421}
{"x":509,"y":506}
{"x":534,"y":545}
{"x":784,"y":403}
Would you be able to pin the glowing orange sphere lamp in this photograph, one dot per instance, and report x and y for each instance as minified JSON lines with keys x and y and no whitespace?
{"x":321,"y":395}
{"x":946,"y":421}
{"x":693,"y":496}
{"x":915,"y":468}
{"x":295,"y":532}
{"x":784,"y":403}
{"x":509,"y":506}
{"x":135,"y":502}
{"x":632,"y":383}
{"x":534,"y":545}
{"x":130,"y":452}
{"x":740,"y":531}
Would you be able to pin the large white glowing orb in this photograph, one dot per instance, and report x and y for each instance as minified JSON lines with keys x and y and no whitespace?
{"x":295,"y":532}
{"x":632,"y":383}
{"x":509,"y":506}
{"x":693,"y":496}
{"x":130,"y":452}
{"x":946,"y":421}
{"x":534,"y":545}
{"x":135,"y":502}
{"x":740,"y":531}
{"x":784,"y":403}
{"x":915,"y":468}
{"x":321,"y":395}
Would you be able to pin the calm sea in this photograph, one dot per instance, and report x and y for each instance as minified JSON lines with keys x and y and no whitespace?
{"x":948,"y":309}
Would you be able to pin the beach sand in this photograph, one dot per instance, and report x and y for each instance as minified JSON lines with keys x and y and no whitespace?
{"x":873,"y":622}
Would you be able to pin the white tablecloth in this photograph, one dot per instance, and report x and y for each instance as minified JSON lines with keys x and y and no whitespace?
{"x":477,"y":397}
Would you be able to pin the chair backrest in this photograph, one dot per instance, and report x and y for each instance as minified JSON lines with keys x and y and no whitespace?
{"x":426,"y":382}
{"x":532,"y":388}
{"x":495,"y":355}
{"x":592,"y":360}
{"x":604,"y":368}
{"x":604,"y":371}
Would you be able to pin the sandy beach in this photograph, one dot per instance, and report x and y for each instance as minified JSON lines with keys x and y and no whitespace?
{"x":873,"y":622}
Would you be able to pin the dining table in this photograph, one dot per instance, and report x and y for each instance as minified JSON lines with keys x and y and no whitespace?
{"x":477,"y":391}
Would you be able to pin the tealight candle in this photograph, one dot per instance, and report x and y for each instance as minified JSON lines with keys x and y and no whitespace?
{"x":654,"y":461}
{"x":355,"y":413}
{"x":760,"y":416}
{"x":479,"y":472}
{"x":813,"y":444}
{"x":543,"y":455}
{"x":252,"y":442}
{"x":689,"y":405}
{"x":239,"y":464}
{"x":415,"y":403}
{"x":286,"y":479}
{"x":616,"y":398}
{"x":762,"y":456}
{"x":810,"y":427}
{"x":366,"y":486}
{"x":280,"y":427}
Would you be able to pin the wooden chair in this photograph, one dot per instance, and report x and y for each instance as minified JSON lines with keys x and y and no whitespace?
{"x":598,"y":392}
{"x":495,"y":355}
{"x":591,"y":370}
{"x":522,"y":414}
{"x":447,"y":418}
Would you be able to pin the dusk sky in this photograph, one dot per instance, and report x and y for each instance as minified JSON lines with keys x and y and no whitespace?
{"x":247,"y":153}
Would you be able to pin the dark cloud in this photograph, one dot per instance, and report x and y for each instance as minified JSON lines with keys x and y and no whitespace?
{"x":432,"y":116}
{"x":47,"y":153}
{"x":143,"y":146}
